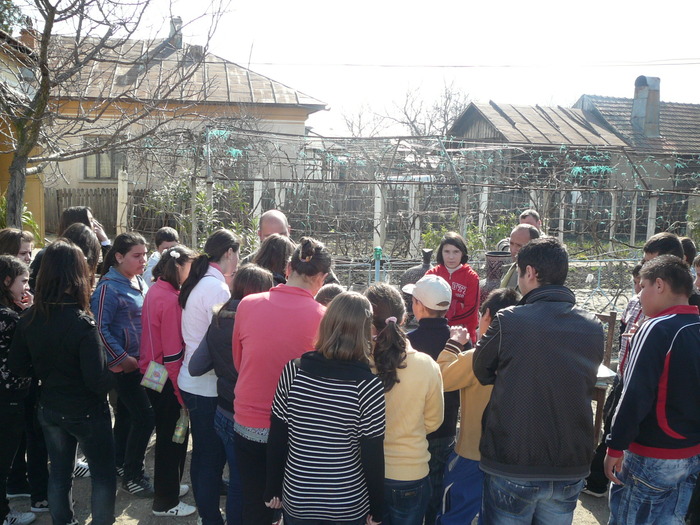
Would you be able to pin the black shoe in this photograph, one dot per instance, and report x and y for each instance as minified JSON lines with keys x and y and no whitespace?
{"x":140,"y":487}
{"x":596,"y":492}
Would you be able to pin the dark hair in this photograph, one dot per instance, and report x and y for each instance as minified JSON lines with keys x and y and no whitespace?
{"x":72,"y":215}
{"x":251,"y":278}
{"x":549,"y":259}
{"x":84,"y":237}
{"x":636,"y":270}
{"x":345,"y":332}
{"x":166,"y":234}
{"x":328,"y":292}
{"x":11,"y":240}
{"x":10,"y":267}
{"x":530,"y":213}
{"x":274,"y":253}
{"x":311,"y":258}
{"x":455,"y":239}
{"x":218,"y":243}
{"x":390,"y":344}
{"x":166,"y":268}
{"x":689,"y":249}
{"x":498,"y":299}
{"x":63,"y":271}
{"x":123,"y":243}
{"x":670,"y":269}
{"x":664,"y":243}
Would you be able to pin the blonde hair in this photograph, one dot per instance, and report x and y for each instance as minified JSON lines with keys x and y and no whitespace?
{"x":345,"y":332}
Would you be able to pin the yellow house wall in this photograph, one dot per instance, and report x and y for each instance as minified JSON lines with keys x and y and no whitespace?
{"x":273,"y":119}
{"x":34,"y":189}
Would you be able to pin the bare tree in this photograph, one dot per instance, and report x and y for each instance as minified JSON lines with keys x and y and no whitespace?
{"x":98,"y":88}
{"x":365,"y":122}
{"x":421,"y":117}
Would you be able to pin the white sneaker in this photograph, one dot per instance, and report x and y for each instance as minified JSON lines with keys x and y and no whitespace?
{"x":181,"y":509}
{"x":184,"y":489}
{"x":81,"y":470}
{"x":19,"y":518}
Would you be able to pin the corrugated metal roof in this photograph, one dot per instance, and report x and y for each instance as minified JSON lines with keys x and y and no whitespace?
{"x":679,"y":124}
{"x":538,"y":125}
{"x":141,"y":69}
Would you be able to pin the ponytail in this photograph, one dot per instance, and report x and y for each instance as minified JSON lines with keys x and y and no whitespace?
{"x":310,"y":258}
{"x":390,"y":343}
{"x":218,"y":243}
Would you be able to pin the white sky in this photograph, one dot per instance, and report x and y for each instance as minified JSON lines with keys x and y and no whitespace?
{"x":555,"y":50}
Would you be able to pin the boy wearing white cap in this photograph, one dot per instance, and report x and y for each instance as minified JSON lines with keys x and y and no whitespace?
{"x":431,"y":300}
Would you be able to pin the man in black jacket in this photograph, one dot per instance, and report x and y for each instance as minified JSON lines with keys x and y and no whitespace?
{"x":542,"y":357}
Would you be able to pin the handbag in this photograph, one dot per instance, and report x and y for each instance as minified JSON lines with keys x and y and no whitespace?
{"x":156,"y":374}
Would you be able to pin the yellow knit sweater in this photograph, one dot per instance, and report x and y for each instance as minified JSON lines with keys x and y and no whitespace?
{"x":457,"y":374}
{"x":414,"y":408}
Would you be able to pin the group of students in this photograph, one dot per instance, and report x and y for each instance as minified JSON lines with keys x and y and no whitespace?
{"x":226,"y":351}
{"x":325,"y":410}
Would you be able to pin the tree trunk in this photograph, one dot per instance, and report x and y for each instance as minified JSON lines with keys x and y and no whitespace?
{"x":15,"y":191}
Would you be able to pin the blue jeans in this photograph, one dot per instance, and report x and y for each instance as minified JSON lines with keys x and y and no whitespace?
{"x":510,"y":501}
{"x":405,"y":501}
{"x":94,"y":433}
{"x":654,"y":490}
{"x":288,"y":520}
{"x":461,"y":496}
{"x":234,"y":498}
{"x":208,"y":457}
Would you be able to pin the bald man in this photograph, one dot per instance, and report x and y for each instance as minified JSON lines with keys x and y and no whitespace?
{"x":272,"y":221}
{"x":519,"y":237}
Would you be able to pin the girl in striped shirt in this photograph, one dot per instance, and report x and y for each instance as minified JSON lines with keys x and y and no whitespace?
{"x":325,"y":448}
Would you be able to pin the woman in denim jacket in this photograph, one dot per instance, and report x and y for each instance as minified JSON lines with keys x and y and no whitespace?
{"x":116,"y":303}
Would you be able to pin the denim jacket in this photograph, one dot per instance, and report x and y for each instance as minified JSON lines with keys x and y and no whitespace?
{"x":117,"y":304}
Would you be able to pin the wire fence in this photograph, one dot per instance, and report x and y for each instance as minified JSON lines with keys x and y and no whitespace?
{"x":404,"y":192}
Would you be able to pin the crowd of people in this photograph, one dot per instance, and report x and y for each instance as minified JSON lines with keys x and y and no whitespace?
{"x":325,"y":408}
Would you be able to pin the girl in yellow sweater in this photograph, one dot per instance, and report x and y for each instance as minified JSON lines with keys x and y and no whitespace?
{"x":414,"y":408}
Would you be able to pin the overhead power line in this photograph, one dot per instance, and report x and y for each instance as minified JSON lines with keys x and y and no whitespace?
{"x":669,"y":62}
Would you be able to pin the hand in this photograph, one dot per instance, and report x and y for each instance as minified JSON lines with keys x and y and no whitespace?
{"x":274,"y":503}
{"x":370,"y":520}
{"x":99,"y":230}
{"x":459,"y":334}
{"x":129,"y":364}
{"x":26,"y":301}
{"x":611,"y":466}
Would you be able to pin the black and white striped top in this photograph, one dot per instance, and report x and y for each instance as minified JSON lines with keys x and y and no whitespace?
{"x":329,"y":408}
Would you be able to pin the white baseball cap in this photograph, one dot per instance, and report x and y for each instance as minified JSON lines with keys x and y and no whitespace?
{"x":431,"y":290}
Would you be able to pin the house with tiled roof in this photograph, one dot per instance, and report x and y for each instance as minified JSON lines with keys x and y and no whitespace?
{"x":147,"y":74}
{"x":643,"y":149}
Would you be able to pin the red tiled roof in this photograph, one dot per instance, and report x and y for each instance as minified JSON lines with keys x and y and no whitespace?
{"x":679,"y":124}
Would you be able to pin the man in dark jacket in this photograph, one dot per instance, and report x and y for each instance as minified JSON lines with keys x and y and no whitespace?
{"x":542,"y":357}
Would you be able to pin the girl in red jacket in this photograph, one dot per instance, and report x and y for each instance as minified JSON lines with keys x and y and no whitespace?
{"x":452,"y":266}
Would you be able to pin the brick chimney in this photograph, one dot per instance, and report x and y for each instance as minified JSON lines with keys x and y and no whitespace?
{"x":30,"y":37}
{"x":646,"y":106}
{"x":176,"y":32}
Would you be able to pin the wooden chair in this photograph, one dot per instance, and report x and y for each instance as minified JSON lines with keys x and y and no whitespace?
{"x":600,"y":391}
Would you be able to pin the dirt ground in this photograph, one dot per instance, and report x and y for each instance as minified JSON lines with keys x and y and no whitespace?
{"x":131,"y":510}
